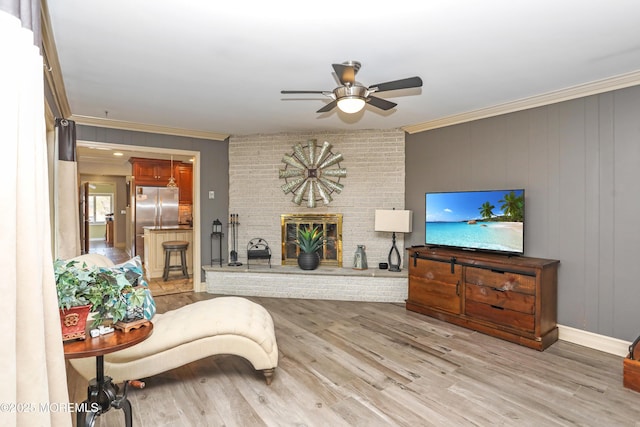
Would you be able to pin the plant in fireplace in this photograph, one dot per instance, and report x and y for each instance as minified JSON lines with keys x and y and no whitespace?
{"x":309,"y":240}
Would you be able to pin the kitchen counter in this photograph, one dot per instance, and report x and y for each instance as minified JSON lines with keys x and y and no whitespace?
{"x":154,"y":252}
{"x":168,"y":228}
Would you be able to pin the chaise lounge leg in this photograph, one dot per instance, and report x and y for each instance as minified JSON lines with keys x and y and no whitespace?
{"x":136,"y":384}
{"x":268,"y":375}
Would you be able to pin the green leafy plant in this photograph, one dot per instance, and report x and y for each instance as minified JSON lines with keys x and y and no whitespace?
{"x":309,"y":240}
{"x":111,"y":292}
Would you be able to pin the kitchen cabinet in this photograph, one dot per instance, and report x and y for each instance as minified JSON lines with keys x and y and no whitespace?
{"x":184,"y":179}
{"x":509,"y":297}
{"x":150,"y":171}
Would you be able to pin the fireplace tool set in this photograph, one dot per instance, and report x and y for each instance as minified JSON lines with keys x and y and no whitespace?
{"x":233,"y":256}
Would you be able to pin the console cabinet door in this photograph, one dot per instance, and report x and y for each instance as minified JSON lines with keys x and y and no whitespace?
{"x":435,"y":284}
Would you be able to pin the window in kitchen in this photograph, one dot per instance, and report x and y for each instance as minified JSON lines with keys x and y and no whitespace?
{"x":100,"y":205}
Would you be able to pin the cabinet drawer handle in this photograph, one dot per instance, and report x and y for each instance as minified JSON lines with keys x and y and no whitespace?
{"x":498,"y":289}
{"x":458,"y":288}
{"x":497,"y":307}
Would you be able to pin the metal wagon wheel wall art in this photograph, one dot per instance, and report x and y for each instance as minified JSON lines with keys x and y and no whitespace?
{"x":312,"y":173}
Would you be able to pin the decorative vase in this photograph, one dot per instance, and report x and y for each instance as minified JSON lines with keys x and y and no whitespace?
{"x":360,"y":259}
{"x":308,"y":260}
{"x":74,"y":322}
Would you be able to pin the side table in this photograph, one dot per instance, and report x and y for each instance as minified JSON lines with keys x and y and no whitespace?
{"x":216,"y":235}
{"x":102,"y":393}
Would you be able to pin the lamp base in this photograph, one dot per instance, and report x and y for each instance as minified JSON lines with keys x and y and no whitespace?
{"x":395,"y":267}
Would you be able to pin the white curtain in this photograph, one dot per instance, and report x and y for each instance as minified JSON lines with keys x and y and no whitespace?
{"x":32,"y":374}
{"x":67,"y":215}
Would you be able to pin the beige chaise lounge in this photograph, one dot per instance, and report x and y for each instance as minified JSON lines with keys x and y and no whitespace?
{"x":223,"y":325}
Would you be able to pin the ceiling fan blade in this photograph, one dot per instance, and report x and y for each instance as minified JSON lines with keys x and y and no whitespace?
{"x":397,"y":84}
{"x":346,"y":73}
{"x":291,"y":92}
{"x":330,"y":106}
{"x":380,"y":103}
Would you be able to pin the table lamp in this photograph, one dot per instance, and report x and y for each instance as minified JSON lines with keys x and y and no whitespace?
{"x":394,"y":221}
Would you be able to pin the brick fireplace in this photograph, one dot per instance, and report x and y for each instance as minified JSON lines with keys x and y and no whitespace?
{"x":375,"y":179}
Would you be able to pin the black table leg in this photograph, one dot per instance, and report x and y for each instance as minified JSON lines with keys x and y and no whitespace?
{"x":102,"y":395}
{"x":125,"y":405}
{"x":86,"y":417}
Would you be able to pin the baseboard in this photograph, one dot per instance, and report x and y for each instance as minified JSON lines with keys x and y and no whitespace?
{"x":199,"y":286}
{"x":597,"y":342}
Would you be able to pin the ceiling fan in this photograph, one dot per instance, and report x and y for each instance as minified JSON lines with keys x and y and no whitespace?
{"x":351,"y":96}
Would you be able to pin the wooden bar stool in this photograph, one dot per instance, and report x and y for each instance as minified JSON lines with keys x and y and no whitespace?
{"x":175,"y":246}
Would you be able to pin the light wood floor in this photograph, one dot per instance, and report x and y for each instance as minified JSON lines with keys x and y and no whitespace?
{"x":376,"y":364}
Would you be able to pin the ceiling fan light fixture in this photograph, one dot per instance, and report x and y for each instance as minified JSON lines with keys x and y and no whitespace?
{"x":351,"y":104}
{"x":351,"y":96}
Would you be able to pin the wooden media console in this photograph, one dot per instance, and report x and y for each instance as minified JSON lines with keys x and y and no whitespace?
{"x":509,"y":297}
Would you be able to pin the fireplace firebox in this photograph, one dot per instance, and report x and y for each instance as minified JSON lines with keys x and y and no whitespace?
{"x":331,"y":225}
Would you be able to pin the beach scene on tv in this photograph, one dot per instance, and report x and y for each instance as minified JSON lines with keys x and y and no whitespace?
{"x":489,"y":220}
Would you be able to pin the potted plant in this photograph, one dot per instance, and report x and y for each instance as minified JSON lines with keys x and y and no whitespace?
{"x":72,"y":287}
{"x":309,"y":241}
{"x":109,"y":293}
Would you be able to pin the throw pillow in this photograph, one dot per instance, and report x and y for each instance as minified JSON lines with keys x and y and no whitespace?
{"x":135,"y":275}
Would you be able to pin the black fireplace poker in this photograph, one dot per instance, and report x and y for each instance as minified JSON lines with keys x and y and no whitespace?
{"x":233,"y":256}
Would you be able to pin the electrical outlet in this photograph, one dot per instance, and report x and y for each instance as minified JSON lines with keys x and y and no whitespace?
{"x":212,"y":194}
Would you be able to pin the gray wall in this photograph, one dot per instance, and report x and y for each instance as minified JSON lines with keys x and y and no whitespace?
{"x":579,"y":162}
{"x":214,"y":171}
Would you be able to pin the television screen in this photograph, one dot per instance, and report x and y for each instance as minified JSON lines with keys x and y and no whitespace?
{"x":481,"y":220}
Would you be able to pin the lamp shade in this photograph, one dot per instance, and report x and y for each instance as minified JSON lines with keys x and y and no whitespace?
{"x":394,"y":221}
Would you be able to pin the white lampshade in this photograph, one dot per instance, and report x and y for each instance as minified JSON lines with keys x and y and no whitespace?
{"x":393,"y":220}
{"x":351,"y":105}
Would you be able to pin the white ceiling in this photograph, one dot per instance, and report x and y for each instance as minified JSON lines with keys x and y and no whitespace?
{"x":219,"y":66}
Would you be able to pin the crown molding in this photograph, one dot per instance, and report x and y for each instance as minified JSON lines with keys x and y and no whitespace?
{"x":587,"y":89}
{"x":142,"y":127}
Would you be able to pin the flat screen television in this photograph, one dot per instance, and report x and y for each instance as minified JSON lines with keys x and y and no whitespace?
{"x":476,"y":220}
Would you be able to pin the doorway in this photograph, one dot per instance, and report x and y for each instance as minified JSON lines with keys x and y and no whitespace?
{"x":102,"y":212}
{"x":100,"y":159}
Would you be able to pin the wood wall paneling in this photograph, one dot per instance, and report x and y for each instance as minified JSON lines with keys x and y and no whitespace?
{"x":571,"y":294}
{"x":626,"y":290}
{"x":606,"y":185}
{"x":579,"y":162}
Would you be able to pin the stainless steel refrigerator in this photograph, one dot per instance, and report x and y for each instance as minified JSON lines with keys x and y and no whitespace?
{"x":155,"y":207}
